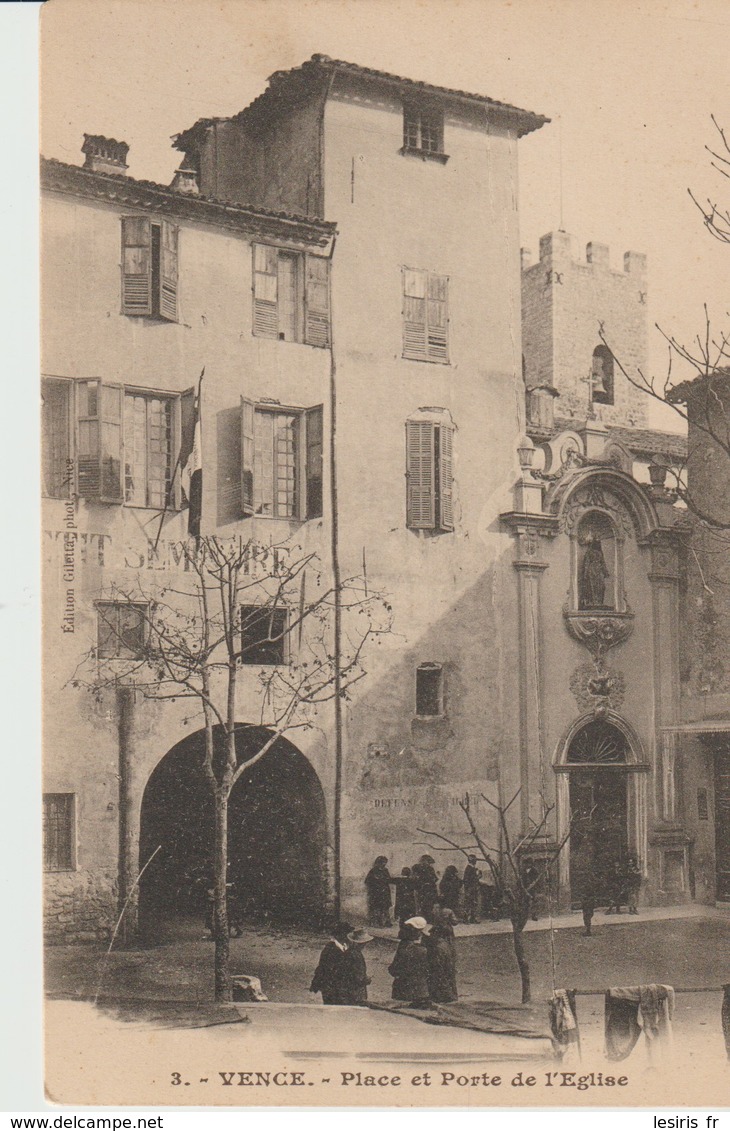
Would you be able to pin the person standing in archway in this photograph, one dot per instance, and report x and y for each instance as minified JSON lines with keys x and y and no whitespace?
{"x":377,"y":886}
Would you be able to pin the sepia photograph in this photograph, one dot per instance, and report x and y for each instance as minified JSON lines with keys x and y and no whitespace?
{"x":385,"y":433}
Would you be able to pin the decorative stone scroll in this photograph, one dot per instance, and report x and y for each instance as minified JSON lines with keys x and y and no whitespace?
{"x":598,"y":632}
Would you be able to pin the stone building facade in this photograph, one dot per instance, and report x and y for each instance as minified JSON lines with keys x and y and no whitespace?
{"x":518,"y":659}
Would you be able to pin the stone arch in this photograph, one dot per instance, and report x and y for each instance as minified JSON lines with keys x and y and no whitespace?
{"x":601,"y":804}
{"x":277,"y":834}
{"x":589,"y":485}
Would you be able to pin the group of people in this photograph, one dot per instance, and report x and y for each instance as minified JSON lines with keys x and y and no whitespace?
{"x":423,"y":968}
{"x":622,"y":885}
{"x":418,"y":891}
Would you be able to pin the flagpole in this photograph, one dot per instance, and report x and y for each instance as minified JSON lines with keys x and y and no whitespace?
{"x":198,"y":428}
{"x":177,"y":462}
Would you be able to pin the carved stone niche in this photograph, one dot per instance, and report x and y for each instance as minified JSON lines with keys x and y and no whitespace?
{"x":598,"y":632}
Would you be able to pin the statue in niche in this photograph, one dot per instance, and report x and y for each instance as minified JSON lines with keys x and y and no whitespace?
{"x":592,"y":576}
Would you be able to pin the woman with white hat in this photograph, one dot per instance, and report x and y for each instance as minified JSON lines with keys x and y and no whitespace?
{"x":409,"y":967}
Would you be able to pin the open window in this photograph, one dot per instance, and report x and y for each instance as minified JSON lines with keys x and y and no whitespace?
{"x":429,"y":690}
{"x":281,"y":461}
{"x":291,"y":296}
{"x":602,"y":375}
{"x":429,"y":472}
{"x":149,"y":267}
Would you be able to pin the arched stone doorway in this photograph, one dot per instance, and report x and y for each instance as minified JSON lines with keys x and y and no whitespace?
{"x":601,"y":800}
{"x":276,"y":835}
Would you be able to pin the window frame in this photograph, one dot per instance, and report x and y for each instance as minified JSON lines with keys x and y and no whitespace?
{"x":75,"y":419}
{"x":419,"y":120}
{"x":118,"y":606}
{"x":70,"y":832}
{"x":432,"y":668}
{"x":312,"y":316}
{"x":309,"y":435}
{"x":273,"y":610}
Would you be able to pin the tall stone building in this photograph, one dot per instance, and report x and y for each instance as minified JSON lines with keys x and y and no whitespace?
{"x":343,"y":258}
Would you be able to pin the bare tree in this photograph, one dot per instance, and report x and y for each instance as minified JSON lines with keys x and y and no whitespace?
{"x":233,"y":598}
{"x":515,"y":883}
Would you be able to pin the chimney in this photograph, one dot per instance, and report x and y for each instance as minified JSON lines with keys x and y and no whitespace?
{"x":105,"y":154}
{"x":187,"y":177}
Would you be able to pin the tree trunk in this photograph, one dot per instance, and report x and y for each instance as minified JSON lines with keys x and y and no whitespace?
{"x":220,"y":911}
{"x":519,"y":949}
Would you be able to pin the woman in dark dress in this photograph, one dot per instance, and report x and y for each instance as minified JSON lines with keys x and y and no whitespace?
{"x":409,"y":967}
{"x":377,"y":886}
{"x":441,"y":952}
{"x":356,"y":980}
{"x":450,"y":888}
{"x":426,"y":882}
{"x":332,"y":976}
{"x":405,"y":896}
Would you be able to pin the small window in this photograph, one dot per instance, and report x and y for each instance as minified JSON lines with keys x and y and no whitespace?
{"x":58,"y":476}
{"x":291,"y":296}
{"x":703,"y":808}
{"x":263,"y":634}
{"x":149,"y":267}
{"x":282,"y":452}
{"x":602,"y":375}
{"x":429,"y":475}
{"x":121,"y":630}
{"x":58,"y":832}
{"x":425,"y":316}
{"x":423,"y":130}
{"x":429,"y":690}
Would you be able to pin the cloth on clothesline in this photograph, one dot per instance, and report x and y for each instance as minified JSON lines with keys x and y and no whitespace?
{"x":564,"y":1024}
{"x":631,"y":1010}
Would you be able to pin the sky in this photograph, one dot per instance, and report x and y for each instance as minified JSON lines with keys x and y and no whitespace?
{"x":630,"y":88}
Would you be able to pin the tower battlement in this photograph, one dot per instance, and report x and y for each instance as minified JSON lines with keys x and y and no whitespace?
{"x":577,"y":311}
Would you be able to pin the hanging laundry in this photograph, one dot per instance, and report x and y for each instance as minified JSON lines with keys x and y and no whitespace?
{"x":631,"y":1010}
{"x":564,"y":1025}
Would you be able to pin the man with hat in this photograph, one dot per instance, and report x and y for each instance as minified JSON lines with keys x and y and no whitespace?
{"x":356,"y":980}
{"x":332,"y":976}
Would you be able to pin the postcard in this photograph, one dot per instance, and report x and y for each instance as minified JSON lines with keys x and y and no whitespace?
{"x":386,"y":469}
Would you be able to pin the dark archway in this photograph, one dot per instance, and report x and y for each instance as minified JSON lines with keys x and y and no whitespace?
{"x":598,"y":756}
{"x":276,"y":834}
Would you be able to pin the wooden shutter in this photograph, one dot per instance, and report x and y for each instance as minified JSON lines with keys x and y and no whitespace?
{"x":446,"y":493}
{"x":317,"y":302}
{"x":414,"y":314}
{"x":57,"y":473}
{"x":99,"y":441}
{"x":265,"y":291}
{"x":136,"y":265}
{"x":438,"y":321}
{"x":313,"y":418}
{"x":168,"y":271}
{"x":247,"y":456}
{"x":420,"y":475}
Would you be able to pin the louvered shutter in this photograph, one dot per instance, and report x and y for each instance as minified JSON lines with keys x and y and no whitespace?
{"x":265,"y":291}
{"x":168,"y":271}
{"x":414,"y":314}
{"x":317,"y":302}
{"x":446,"y":493}
{"x":438,"y":320}
{"x":136,"y":265}
{"x":420,"y":475}
{"x":247,"y":456}
{"x":99,"y":441}
{"x":313,"y":418}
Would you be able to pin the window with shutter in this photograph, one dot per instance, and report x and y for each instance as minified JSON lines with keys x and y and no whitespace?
{"x":120,"y":629}
{"x":58,"y":832}
{"x":281,"y":461}
{"x":425,"y":316}
{"x":429,"y":475}
{"x":291,"y":298}
{"x":57,"y":467}
{"x":99,"y":441}
{"x":149,"y":267}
